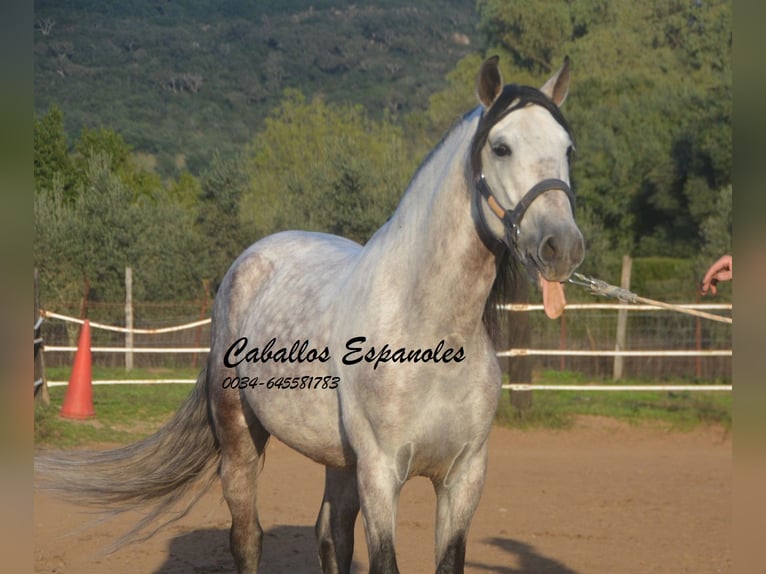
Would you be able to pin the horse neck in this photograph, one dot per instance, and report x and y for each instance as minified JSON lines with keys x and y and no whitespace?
{"x":443,"y":271}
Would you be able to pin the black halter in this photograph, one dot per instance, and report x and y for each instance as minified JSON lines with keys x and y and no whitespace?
{"x":511,"y":219}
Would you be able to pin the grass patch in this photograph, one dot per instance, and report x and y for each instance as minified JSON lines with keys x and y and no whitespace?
{"x":126,"y":413}
{"x":559,"y":409}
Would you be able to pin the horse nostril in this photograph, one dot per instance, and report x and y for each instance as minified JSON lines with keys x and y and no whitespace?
{"x":548,"y":249}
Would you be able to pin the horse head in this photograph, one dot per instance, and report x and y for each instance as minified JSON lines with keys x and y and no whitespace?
{"x":520,"y":161}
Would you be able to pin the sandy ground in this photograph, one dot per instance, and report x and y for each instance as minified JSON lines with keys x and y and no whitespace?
{"x":603,"y":498}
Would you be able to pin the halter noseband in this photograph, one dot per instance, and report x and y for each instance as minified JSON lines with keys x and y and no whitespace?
{"x":511,"y":218}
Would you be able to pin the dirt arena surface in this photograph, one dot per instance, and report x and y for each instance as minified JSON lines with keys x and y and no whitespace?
{"x":603,"y":498}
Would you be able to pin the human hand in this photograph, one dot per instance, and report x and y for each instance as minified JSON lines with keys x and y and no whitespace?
{"x":721,"y":270}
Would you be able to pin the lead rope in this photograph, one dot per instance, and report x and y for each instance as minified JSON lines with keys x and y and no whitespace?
{"x":602,"y":288}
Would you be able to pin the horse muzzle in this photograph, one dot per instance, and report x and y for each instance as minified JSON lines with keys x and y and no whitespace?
{"x":558,"y":252}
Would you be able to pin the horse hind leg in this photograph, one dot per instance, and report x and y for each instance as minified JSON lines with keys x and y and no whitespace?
{"x":335,"y":524}
{"x":242,"y":440}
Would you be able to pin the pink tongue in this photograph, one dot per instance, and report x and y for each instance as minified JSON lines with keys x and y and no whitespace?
{"x":553,"y":297}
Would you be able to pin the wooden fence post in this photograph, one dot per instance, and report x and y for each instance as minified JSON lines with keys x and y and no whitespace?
{"x":622,"y":319}
{"x":129,"y":318}
{"x":698,"y":342}
{"x":202,"y":315}
{"x":520,"y":337}
{"x":41,"y":384}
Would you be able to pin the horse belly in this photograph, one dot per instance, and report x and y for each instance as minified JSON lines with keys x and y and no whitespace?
{"x":306,"y":419}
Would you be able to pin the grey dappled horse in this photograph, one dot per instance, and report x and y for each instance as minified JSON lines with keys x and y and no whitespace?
{"x":373,"y":361}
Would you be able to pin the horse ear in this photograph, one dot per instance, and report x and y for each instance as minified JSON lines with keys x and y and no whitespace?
{"x":489,"y":83}
{"x":557,"y":86}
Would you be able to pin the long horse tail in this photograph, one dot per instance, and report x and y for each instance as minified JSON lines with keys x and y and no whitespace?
{"x":164,"y":474}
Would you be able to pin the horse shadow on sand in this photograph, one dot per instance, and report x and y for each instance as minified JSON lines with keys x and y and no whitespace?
{"x":287,"y":549}
{"x":291,"y":549}
{"x":529,"y":560}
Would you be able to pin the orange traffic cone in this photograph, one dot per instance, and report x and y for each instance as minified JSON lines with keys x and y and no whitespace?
{"x":78,"y":401}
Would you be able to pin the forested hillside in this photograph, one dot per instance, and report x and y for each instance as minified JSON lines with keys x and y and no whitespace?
{"x":179,"y":78}
{"x":169,"y":135}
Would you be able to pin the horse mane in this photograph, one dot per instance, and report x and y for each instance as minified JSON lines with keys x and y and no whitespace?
{"x":505,"y":289}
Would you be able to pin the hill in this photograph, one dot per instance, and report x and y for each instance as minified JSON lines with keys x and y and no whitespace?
{"x":179,"y":79}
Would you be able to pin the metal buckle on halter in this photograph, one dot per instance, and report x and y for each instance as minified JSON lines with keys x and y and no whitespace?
{"x":512,"y":231}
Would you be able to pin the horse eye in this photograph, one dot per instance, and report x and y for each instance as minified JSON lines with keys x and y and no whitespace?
{"x":501,"y":150}
{"x":570,"y":153}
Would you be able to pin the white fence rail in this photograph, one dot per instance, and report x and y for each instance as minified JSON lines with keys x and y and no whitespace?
{"x":668,"y":388}
{"x":596,"y":353}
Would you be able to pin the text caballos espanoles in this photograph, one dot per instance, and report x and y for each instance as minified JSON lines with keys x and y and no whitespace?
{"x":301,"y":351}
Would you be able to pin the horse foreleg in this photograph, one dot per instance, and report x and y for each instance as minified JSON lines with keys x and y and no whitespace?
{"x":335,"y":524}
{"x":379,"y":489}
{"x":457,"y":496}
{"x":242,"y":440}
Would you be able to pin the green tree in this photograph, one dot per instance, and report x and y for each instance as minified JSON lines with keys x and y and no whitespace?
{"x":716,"y":231}
{"x":91,"y":239}
{"x":532,"y":32}
{"x":650,"y":104}
{"x":219,"y":219}
{"x":325,"y":168}
{"x":86,"y":240}
{"x":185,"y":190}
{"x":108,"y":144}
{"x":53,"y":167}
{"x":166,"y":253}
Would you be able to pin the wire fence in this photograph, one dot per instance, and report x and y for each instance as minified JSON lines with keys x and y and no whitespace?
{"x":61,"y":334}
{"x":659,"y":344}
